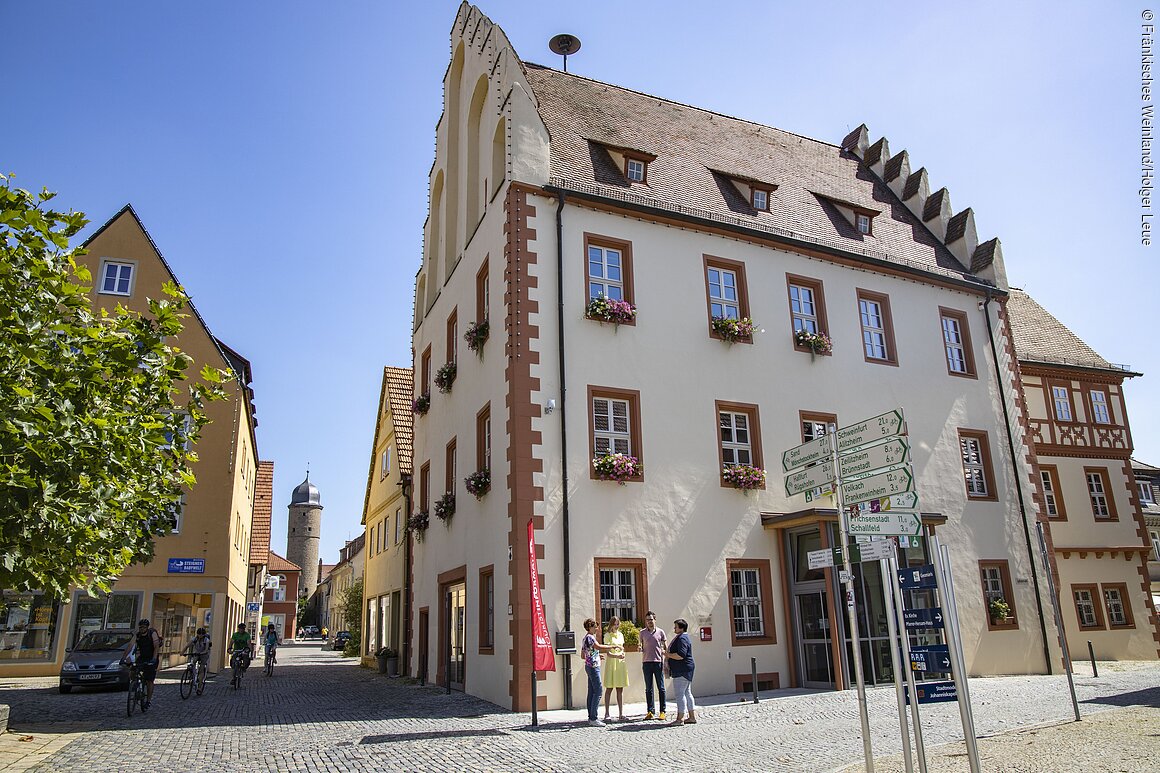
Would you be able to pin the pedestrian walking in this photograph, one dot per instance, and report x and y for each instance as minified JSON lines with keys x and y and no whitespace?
{"x":681,"y":665}
{"x":590,"y":652}
{"x":616,"y":676}
{"x":653,"y":645}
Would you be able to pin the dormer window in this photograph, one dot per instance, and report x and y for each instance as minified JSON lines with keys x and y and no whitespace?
{"x":863,"y":223}
{"x":634,"y":170}
{"x":760,"y":200}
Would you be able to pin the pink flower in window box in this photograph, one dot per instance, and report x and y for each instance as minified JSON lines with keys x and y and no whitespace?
{"x":733,"y":329}
{"x":743,"y":476}
{"x":604,"y":309}
{"x":617,"y":467}
{"x":817,"y":343}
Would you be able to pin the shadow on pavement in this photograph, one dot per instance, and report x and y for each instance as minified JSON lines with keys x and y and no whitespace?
{"x":1148,"y":697}
{"x":431,"y":735}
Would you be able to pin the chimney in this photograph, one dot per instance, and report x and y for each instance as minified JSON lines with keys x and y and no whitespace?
{"x":936,"y":213}
{"x":876,"y":156}
{"x":916,"y":191}
{"x":962,"y":238}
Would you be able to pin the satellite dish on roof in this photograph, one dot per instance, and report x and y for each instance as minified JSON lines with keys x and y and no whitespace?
{"x":564,"y":44}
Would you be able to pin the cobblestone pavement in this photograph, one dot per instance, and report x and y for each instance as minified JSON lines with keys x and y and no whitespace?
{"x":320,"y":712}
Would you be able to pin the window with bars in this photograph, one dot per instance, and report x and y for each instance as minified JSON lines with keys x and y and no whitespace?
{"x":116,"y":278}
{"x":1100,"y":413}
{"x":1085,"y":608}
{"x":612,"y":432}
{"x":735,"y":443}
{"x":724,"y":301}
{"x":617,"y":594}
{"x":974,"y":466}
{"x":1098,"y":492}
{"x":1061,"y":397}
{"x":993,"y":584}
{"x":1114,"y":603}
{"x":746,"y":597}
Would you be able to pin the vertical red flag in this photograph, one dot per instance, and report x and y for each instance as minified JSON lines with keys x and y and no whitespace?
{"x":543,"y":659}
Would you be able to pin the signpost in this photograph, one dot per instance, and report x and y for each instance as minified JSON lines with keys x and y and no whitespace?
{"x":888,"y":454}
{"x":811,"y":451}
{"x":916,"y":577}
{"x":883,"y":484}
{"x":923,"y":619}
{"x":808,"y":479}
{"x":935,"y":692}
{"x":887,"y":524}
{"x":932,"y":657}
{"x":870,"y":431}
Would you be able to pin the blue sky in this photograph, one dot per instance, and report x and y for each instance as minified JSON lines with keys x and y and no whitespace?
{"x":278,"y":154}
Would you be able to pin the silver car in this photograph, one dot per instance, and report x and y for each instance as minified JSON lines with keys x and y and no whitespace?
{"x":96,"y":661}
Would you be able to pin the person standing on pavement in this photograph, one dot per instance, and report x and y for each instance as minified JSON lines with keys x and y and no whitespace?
{"x":590,"y":652}
{"x":681,"y":665}
{"x":616,"y":677}
{"x":653,"y":645}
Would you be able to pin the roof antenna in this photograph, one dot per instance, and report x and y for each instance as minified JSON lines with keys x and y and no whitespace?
{"x":564,"y":44}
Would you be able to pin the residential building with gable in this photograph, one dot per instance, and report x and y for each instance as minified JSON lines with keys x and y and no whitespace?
{"x":280,"y":606}
{"x":550,"y":191}
{"x":349,"y":570}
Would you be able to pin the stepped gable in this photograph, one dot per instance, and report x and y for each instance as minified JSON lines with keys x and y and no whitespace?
{"x":585,"y":117}
{"x":1040,"y":337}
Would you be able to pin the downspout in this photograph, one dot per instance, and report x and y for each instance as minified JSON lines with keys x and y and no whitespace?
{"x":563,"y":444}
{"x":1018,"y":484}
{"x":405,"y":482}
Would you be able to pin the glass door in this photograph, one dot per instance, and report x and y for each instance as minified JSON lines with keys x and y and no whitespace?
{"x":457,"y":607}
{"x":813,"y":634}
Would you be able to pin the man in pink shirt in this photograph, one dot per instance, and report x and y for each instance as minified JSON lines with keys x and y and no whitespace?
{"x":653,"y":646}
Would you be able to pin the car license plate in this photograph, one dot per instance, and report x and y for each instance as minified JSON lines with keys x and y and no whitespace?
{"x":90,"y":676}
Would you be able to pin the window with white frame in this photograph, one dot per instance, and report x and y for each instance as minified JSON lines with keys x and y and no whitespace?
{"x":1061,"y":396}
{"x":746,"y":587}
{"x":617,"y":594}
{"x":863,"y":223}
{"x":993,"y":584}
{"x":974,"y":466}
{"x":1100,"y":413}
{"x":1155,"y":536}
{"x":735,"y":443}
{"x":760,"y":199}
{"x":803,"y":308}
{"x":954,"y":345}
{"x":1098,"y":494}
{"x":385,"y":465}
{"x":1085,"y":607}
{"x":1049,"y":494}
{"x":116,"y":278}
{"x":812,"y":429}
{"x":1114,"y":604}
{"x":610,"y":424}
{"x":605,"y":272}
{"x":723,"y":298}
{"x":873,"y":329}
{"x":1145,"y":489}
{"x":398,"y":525}
{"x":634,"y":170}
{"x":279,"y":592}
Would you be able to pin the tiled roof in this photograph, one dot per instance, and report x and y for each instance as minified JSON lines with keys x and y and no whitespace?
{"x":585,"y":118}
{"x":893,"y":167}
{"x":263,"y":512}
{"x":1040,"y":337}
{"x":1138,"y":466}
{"x":984,"y":255}
{"x":324,"y":570}
{"x":912,"y":183}
{"x":279,"y":564}
{"x":399,"y":390}
{"x":934,"y":204}
{"x":957,"y":226}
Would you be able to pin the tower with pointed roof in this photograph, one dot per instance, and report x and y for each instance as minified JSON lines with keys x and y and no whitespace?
{"x":302,"y":533}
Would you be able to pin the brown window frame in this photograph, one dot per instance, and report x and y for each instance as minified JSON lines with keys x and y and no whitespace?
{"x":632,"y":396}
{"x":482,"y":293}
{"x":1097,"y":606}
{"x":450,"y":463}
{"x":626,"y":273}
{"x":453,"y":336}
{"x":425,"y":372}
{"x":965,"y":331}
{"x":640,"y":581}
{"x":756,"y":457}
{"x":1057,"y":490}
{"x":425,"y":487}
{"x":815,"y":418}
{"x":483,"y":438}
{"x":883,"y":300}
{"x":1125,"y":602}
{"x":765,"y":582}
{"x":988,"y":463}
{"x":1004,"y":567}
{"x":486,"y":614}
{"x":738,"y":268}
{"x":1106,"y":480}
{"x":816,"y":287}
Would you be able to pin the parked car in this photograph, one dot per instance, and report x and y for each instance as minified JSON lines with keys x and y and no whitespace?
{"x":340,"y":639}
{"x":96,"y":661}
{"x":309,"y":631}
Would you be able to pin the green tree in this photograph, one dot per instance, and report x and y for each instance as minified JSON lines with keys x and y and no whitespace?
{"x":96,"y":426}
{"x":350,"y":607}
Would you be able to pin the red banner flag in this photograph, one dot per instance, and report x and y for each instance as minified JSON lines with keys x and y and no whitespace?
{"x":543,"y":659}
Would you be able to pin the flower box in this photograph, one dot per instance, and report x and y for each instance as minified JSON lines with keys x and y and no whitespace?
{"x":743,"y":476}
{"x":817,"y":343}
{"x":476,"y":335}
{"x":445,"y":377}
{"x":733,"y":330}
{"x":604,"y":309}
{"x":478,"y":483}
{"x":445,"y":507}
{"x":421,"y":404}
{"x":418,"y":523}
{"x":617,"y":467}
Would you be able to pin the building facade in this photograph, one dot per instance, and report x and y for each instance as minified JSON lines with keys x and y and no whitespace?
{"x":280,"y":605}
{"x":386,"y":508}
{"x":1148,"y":488}
{"x":349,"y":570}
{"x":260,"y":545}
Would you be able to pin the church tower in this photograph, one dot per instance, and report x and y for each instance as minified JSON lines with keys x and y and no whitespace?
{"x":302,"y":534}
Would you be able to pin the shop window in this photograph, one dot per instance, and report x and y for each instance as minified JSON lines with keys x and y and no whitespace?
{"x":27,"y":625}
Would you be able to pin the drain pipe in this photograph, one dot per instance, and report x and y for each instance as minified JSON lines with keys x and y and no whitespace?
{"x":563,"y":444}
{"x":1018,"y":485}
{"x":405,"y":483}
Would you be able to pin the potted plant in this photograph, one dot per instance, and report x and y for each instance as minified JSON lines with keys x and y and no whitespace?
{"x":617,"y":467}
{"x":817,"y":343}
{"x":478,"y":483}
{"x":388,"y":661}
{"x":604,"y":309}
{"x":421,"y":404}
{"x":445,"y":507}
{"x":418,"y":523}
{"x":743,"y":476}
{"x":999,"y":609}
{"x":445,"y":377}
{"x":733,"y":330}
{"x":476,"y":335}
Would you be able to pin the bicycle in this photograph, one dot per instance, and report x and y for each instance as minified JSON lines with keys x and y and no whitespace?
{"x":239,"y":662}
{"x":270,"y":660}
{"x":193,"y":677}
{"x":137,"y":692}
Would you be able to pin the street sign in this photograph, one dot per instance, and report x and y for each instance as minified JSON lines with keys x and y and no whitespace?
{"x":934,"y":692}
{"x":186,"y":566}
{"x":870,"y":430}
{"x":886,"y":524}
{"x":820,"y":559}
{"x":904,"y":501}
{"x":932,"y":657}
{"x":253,"y":606}
{"x":863,"y":460}
{"x":818,"y":448}
{"x":922,"y":619}
{"x":877,"y":486}
{"x":877,"y":550}
{"x":915,"y":577}
{"x":809,"y":478}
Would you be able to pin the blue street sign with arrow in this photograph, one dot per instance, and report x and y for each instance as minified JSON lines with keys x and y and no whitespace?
{"x":932,"y":657}
{"x":921,"y":619}
{"x":917,"y":577}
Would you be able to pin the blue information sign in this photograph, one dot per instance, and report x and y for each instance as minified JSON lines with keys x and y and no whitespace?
{"x":917,"y":577}
{"x":933,"y":692}
{"x":933,"y":657}
{"x":187,"y":566}
{"x":921,"y":619}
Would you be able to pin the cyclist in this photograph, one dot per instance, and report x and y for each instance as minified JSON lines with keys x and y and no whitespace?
{"x":146,"y":650}
{"x":199,"y":647}
{"x":271,"y":639}
{"x":241,"y":647}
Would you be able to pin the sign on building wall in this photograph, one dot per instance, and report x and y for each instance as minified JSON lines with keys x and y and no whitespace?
{"x":187,"y":566}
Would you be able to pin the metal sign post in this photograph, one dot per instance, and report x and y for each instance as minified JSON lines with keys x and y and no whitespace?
{"x":896,"y":600}
{"x":892,"y":631}
{"x":958,"y":672}
{"x":1058,"y":620}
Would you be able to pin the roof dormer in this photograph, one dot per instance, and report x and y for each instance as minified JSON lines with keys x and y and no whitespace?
{"x":860,"y":218}
{"x":633,"y":164}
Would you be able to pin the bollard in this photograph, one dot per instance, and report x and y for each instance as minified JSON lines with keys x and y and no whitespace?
{"x":753,"y":666}
{"x":1092,"y":655}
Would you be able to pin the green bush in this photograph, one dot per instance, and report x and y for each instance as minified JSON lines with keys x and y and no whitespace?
{"x":631,"y":633}
{"x":353,"y":646}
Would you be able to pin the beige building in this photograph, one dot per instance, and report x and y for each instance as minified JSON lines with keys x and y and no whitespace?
{"x":348,"y":571}
{"x":548,"y":191}
{"x":385,"y":510}
{"x":1148,"y":489}
{"x":198,"y":576}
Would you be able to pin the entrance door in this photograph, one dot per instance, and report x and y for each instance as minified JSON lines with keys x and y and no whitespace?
{"x":456,"y":605}
{"x":813,"y":635}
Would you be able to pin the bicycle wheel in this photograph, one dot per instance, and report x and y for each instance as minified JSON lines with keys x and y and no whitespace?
{"x":187,"y":678}
{"x":201,"y":669}
{"x":134,"y":686}
{"x":237,"y":677}
{"x":269,"y":665}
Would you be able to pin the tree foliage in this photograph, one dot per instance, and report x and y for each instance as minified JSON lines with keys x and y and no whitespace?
{"x":350,"y":605}
{"x":97,"y":426}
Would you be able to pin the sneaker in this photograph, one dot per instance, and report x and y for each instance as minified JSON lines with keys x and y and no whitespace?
{"x":595,"y":723}
{"x":648,"y":716}
{"x":661,"y":716}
